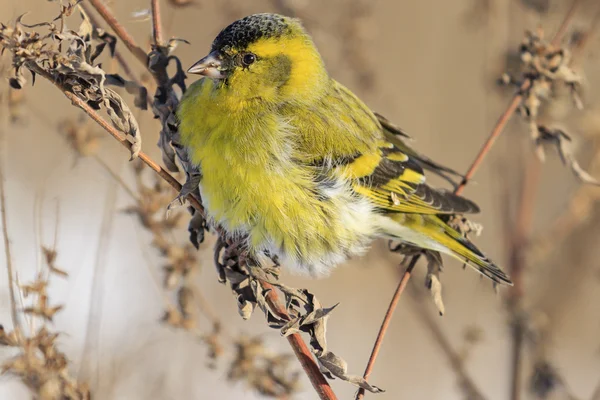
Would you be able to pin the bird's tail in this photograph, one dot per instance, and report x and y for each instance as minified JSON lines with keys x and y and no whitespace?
{"x":434,"y":234}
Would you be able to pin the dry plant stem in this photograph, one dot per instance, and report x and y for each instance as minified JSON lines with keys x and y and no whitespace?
{"x":496,"y":131}
{"x":300,"y":349}
{"x":386,"y":321}
{"x":9,"y":266}
{"x":156,"y":24}
{"x":483,"y":152}
{"x":517,"y":266}
{"x":302,"y":352}
{"x":116,"y":134}
{"x":91,"y":339}
{"x":121,"y":32}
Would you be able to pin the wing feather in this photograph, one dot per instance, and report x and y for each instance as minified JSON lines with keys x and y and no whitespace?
{"x":395,"y":182}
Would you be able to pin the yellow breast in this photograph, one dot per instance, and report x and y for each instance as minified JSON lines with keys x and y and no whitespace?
{"x":253,"y":184}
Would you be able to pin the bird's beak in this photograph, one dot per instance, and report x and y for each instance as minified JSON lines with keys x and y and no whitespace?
{"x":210,"y":66}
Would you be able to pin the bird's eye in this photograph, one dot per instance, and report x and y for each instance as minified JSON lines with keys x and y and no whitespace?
{"x":248,"y":59}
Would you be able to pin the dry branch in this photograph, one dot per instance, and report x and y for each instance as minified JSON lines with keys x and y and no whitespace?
{"x":164,"y":105}
{"x":483,"y":152}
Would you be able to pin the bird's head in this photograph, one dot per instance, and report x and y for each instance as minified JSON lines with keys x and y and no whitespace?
{"x":265,"y":56}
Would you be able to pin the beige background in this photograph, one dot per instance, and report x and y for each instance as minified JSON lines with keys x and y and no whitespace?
{"x":433,"y":63}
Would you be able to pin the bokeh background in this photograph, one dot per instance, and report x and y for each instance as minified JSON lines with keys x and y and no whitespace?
{"x":431,"y":67}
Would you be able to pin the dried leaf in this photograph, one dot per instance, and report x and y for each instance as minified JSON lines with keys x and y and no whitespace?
{"x":432,"y":279}
{"x":336,"y":366}
{"x":140,"y":92}
{"x":562,"y":142}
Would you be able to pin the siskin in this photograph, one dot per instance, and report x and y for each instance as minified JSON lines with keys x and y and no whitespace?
{"x":296,"y":163}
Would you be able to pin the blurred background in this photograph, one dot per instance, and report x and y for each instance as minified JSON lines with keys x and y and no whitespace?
{"x":431,"y":67}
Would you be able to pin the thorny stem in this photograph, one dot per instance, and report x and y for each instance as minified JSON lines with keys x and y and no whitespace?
{"x":483,"y":152}
{"x":121,"y":32}
{"x":9,"y":266}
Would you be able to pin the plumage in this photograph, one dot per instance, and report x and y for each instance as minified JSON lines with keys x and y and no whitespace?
{"x":295,"y":162}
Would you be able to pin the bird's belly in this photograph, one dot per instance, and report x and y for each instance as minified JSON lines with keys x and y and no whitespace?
{"x":309,"y":229}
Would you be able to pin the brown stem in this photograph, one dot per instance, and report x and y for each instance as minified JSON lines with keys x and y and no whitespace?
{"x":120,"y":30}
{"x":156,"y":23}
{"x":386,"y":321}
{"x":496,"y":131}
{"x":9,"y":266}
{"x":483,"y":152}
{"x":517,"y":267}
{"x":300,"y":349}
{"x":302,"y":352}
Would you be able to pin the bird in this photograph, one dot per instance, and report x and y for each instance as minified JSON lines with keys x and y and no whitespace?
{"x":296,"y":165}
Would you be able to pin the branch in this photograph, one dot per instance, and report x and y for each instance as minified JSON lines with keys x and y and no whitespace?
{"x":302,"y":352}
{"x":120,"y":30}
{"x":483,"y":152}
{"x":156,"y":23}
{"x":9,"y":266}
{"x":300,"y":349}
{"x":386,"y":321}
{"x":517,"y":267}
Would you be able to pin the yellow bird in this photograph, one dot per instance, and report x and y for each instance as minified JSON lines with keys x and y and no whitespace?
{"x":296,"y":163}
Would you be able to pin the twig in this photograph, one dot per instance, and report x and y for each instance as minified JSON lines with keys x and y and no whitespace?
{"x":92,"y":330}
{"x":386,"y":321}
{"x":116,"y":134}
{"x":483,"y":152}
{"x":302,"y":352}
{"x":120,"y":30}
{"x":300,"y":349}
{"x":156,"y":23}
{"x":9,"y":266}
{"x":517,"y":267}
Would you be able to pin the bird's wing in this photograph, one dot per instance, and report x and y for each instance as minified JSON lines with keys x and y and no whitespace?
{"x":395,"y":182}
{"x":397,"y":136}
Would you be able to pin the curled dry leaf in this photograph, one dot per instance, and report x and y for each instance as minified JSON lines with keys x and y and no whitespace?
{"x":432,"y":279}
{"x":304,"y":312}
{"x":562,"y":143}
{"x":545,"y":66}
{"x":69,"y":58}
{"x":464,"y":226}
